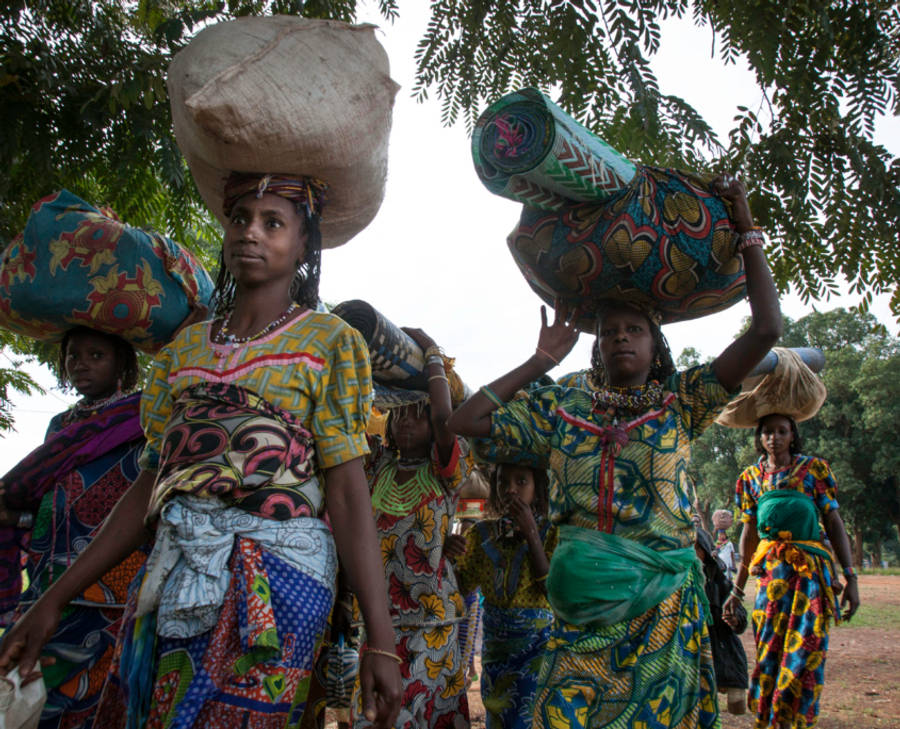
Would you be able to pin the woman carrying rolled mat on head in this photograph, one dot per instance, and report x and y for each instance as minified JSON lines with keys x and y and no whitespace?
{"x":55,"y":500}
{"x":630,"y":647}
{"x":415,"y":476}
{"x":254,"y":421}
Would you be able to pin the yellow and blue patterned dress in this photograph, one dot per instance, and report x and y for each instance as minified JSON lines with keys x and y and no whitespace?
{"x":413,"y":521}
{"x":655,"y":670}
{"x":517,"y":618}
{"x":795,"y":601}
{"x":243,"y":585}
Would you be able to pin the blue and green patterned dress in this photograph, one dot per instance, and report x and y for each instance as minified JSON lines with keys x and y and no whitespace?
{"x":656,"y":669}
{"x":517,"y":618}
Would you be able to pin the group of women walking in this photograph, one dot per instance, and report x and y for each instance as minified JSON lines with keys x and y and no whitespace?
{"x":203,"y":597}
{"x":254,"y":421}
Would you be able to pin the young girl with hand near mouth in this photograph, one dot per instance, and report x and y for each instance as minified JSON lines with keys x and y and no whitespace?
{"x":507,"y":557}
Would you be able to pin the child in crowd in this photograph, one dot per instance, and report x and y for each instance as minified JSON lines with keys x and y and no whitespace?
{"x":508,"y":558}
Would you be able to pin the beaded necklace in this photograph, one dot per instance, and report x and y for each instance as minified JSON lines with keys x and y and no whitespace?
{"x":631,"y":400}
{"x":223,"y":337}
{"x":401,"y":499}
{"x":614,"y":404}
{"x":84,"y":407}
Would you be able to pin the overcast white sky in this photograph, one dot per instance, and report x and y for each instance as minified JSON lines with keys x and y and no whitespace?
{"x":435,"y":256}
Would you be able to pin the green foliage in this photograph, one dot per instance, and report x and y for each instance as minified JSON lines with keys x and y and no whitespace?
{"x":825,"y":192}
{"x":84,"y":106}
{"x":12,"y":379}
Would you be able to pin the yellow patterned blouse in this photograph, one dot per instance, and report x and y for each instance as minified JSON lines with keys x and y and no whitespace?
{"x":315,"y":366}
{"x":501,"y":566}
{"x":643,"y":493}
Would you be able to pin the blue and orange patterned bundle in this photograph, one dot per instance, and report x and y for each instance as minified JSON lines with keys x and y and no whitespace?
{"x":77,"y":266}
{"x":596,"y":226}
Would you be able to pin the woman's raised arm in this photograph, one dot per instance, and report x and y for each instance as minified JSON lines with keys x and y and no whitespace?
{"x":473,"y":417}
{"x":741,"y":356}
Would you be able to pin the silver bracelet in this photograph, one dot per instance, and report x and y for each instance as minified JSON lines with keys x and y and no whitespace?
{"x":25,"y":520}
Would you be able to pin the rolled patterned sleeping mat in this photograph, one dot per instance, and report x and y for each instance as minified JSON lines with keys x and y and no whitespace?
{"x":76,"y":266}
{"x":396,"y":359}
{"x":595,"y":229}
{"x":398,"y":363}
{"x":527,"y":149}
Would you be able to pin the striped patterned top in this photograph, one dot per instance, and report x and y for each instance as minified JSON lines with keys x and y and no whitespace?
{"x":641,"y":494}
{"x":314,"y":366}
{"x":808,"y":474}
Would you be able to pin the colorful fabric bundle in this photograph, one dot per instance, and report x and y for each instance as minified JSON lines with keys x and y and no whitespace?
{"x":76,"y":266}
{"x":595,"y":226}
{"x":77,"y":445}
{"x":527,"y":149}
{"x":665,"y":243}
{"x":251,"y":669}
{"x":255,"y":455}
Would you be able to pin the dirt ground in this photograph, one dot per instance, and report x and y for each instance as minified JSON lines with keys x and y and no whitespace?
{"x":862,"y":675}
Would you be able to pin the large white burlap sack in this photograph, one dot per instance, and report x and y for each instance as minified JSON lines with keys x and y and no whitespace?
{"x":287,"y":95}
{"x":791,"y":389}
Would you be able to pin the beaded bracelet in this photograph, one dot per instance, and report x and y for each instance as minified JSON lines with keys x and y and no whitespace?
{"x":750,"y":238}
{"x":434,"y":351}
{"x":850,"y":572}
{"x":491,"y":395}
{"x":386,"y":654}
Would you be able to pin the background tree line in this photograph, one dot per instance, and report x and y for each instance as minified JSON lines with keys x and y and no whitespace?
{"x":857,"y":430}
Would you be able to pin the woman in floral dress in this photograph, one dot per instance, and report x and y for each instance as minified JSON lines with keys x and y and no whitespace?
{"x":415,"y":478}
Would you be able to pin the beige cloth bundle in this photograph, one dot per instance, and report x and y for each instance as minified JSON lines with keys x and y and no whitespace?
{"x":791,"y":389}
{"x":287,"y":95}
